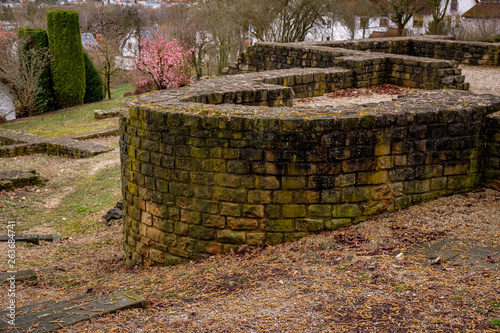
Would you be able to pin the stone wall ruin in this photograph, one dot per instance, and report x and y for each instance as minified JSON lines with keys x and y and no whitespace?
{"x":203,"y":175}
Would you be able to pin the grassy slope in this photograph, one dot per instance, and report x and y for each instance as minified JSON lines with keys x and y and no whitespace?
{"x":73,"y":121}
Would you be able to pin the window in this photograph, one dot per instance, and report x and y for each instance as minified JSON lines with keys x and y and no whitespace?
{"x":418,"y":21}
{"x":383,"y":22}
{"x":454,"y":5}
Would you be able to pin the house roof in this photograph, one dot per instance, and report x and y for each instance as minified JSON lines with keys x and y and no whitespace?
{"x":484,"y":10}
{"x":88,"y":40}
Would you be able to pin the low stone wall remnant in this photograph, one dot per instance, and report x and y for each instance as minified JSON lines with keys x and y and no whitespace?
{"x":17,"y":143}
{"x":229,"y":161}
{"x":204,"y":179}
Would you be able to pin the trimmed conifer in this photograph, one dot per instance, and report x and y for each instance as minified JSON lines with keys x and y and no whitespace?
{"x":68,"y":65}
{"x":93,"y":82}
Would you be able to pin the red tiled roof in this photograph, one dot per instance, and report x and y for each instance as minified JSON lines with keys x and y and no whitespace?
{"x":484,"y":10}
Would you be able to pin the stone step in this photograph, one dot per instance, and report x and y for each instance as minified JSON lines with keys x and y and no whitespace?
{"x":53,"y":315}
{"x":110,"y":113}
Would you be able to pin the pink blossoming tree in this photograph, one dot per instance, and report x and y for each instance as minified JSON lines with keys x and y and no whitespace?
{"x":162,"y":63}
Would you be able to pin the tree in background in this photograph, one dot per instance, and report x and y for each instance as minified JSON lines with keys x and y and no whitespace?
{"x":401,"y":11}
{"x":437,"y":25}
{"x":106,"y":52}
{"x":163,"y":63}
{"x":37,"y":39}
{"x":294,"y":19}
{"x":354,"y":14}
{"x":22,"y":73}
{"x":220,"y":31}
{"x":68,"y":66}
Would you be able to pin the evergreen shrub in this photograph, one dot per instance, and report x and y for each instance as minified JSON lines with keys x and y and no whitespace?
{"x":68,"y":65}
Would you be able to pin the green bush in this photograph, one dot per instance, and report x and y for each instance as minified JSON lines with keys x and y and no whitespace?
{"x":68,"y":65}
{"x":38,"y":39}
{"x":93,"y":82}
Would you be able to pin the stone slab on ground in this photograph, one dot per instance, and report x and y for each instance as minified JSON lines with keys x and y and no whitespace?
{"x":454,"y":251}
{"x":17,"y":143}
{"x":19,"y":178}
{"x":53,"y":315}
{"x":35,"y":239}
{"x":23,"y":275}
{"x":94,"y":135}
{"x":110,"y":113}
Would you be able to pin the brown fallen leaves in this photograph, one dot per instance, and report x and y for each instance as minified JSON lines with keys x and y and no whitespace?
{"x":343,"y":281}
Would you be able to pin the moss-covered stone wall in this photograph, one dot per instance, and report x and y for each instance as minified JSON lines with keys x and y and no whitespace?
{"x":204,"y":179}
{"x":369,"y":68}
{"x":436,"y":47}
{"x":492,"y":156}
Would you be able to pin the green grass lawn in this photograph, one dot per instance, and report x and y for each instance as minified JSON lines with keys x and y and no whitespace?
{"x":77,"y":120}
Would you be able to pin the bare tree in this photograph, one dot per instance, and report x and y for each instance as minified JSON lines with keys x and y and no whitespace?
{"x":219,"y":31}
{"x":438,"y":8}
{"x":354,"y":14}
{"x":401,"y":11}
{"x":105,"y":53}
{"x":21,"y":71}
{"x":293,"y":20}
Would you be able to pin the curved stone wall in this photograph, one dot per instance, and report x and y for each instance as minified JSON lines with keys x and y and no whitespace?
{"x":203,"y":179}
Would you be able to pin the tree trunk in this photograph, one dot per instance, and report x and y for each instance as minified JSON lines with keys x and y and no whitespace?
{"x":401,"y":28}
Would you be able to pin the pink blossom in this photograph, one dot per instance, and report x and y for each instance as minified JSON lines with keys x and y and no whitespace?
{"x":164,"y":63}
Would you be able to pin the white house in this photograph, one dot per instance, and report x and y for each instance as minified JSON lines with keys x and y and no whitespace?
{"x":130,"y":46}
{"x":380,"y":24}
{"x":483,"y":19}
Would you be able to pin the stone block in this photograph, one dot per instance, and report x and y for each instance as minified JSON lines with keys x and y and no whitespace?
{"x":236,"y":223}
{"x":346,"y":210}
{"x":256,"y":238}
{"x":274,"y":238}
{"x":309,"y":225}
{"x":216,"y":221}
{"x":292,"y":211}
{"x":201,"y":232}
{"x":355,"y":194}
{"x":320,"y":210}
{"x":231,"y":236}
{"x":337,"y":223}
{"x":253,"y":211}
{"x":285,"y":225}
{"x":230,"y":209}
{"x":257,"y":196}
{"x":268,"y":183}
{"x":191,"y":217}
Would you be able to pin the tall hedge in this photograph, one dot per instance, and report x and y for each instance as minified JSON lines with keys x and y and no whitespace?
{"x":38,"y":38}
{"x":68,"y":65}
{"x":93,"y":82}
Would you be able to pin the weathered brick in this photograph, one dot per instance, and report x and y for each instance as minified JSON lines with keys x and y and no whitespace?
{"x":230,"y":209}
{"x":257,"y":196}
{"x":253,"y":211}
{"x":236,"y":223}
{"x":291,"y":211}
{"x":309,"y":225}
{"x":279,"y":225}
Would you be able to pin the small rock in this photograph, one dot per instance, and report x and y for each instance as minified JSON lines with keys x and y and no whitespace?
{"x":113,"y":214}
{"x":437,"y":261}
{"x":400,"y":256}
